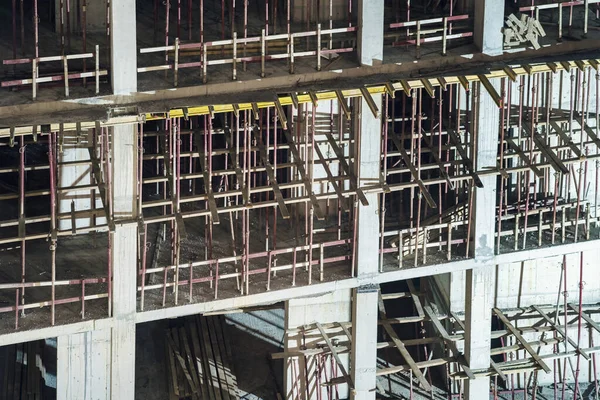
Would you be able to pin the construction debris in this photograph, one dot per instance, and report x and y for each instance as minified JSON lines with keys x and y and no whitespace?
{"x":523,"y":31}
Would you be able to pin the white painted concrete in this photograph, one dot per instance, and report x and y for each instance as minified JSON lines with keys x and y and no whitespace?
{"x":123,"y":47}
{"x":370,"y":32}
{"x":124,"y":154}
{"x":480,"y":282}
{"x":489,"y":20}
{"x":332,"y":307}
{"x":83,"y":366}
{"x":364,"y":344}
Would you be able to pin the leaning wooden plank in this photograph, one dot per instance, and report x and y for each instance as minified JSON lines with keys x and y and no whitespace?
{"x":209,"y":355}
{"x":344,"y":163}
{"x":264,"y":156}
{"x":188,"y":358}
{"x":197,"y":355}
{"x":524,"y":157}
{"x":586,"y":317}
{"x":449,"y":342}
{"x":520,"y":338}
{"x":229,"y":354}
{"x":231,"y":387}
{"x":400,"y":346}
{"x":414,"y":172}
{"x":493,"y":364}
{"x":415,"y":298}
{"x":561,"y":332}
{"x":466,"y":160}
{"x":206,"y":362}
{"x":212,"y":204}
{"x":171,"y":372}
{"x":554,"y":160}
{"x":214,"y":339}
{"x":565,"y":138}
{"x":335,"y":355}
{"x":305,"y":179}
{"x":336,"y":187}
{"x":181,"y":360}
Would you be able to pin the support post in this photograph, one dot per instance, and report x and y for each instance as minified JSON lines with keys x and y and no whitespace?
{"x":365,"y":299}
{"x":124,"y":261}
{"x":488,"y":16}
{"x":370,"y":32}
{"x":123,"y":47}
{"x":480,"y":283}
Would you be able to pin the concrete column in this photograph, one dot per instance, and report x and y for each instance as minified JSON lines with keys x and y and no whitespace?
{"x":123,"y":58}
{"x":480,"y":283}
{"x":365,"y":303}
{"x":489,"y":20}
{"x":332,"y":307}
{"x":364,"y":344}
{"x":370,"y":32}
{"x":124,"y":261}
{"x":83,"y":365}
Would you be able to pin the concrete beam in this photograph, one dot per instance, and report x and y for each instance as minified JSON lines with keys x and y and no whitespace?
{"x":123,"y":47}
{"x":489,"y":20}
{"x":370,"y":32}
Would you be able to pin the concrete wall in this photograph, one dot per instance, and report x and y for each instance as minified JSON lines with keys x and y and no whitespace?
{"x":333,"y":307}
{"x":83,"y":366}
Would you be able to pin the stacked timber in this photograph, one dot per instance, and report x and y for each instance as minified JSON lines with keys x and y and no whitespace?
{"x":199,"y":360}
{"x":22,"y":376}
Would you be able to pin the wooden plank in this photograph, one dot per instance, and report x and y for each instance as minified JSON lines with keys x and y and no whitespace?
{"x":175,"y":342}
{"x":189,"y":359}
{"x":342,"y":160}
{"x":517,"y":149}
{"x":335,"y":355}
{"x":190,"y":324}
{"x":554,"y":160}
{"x":212,"y":204}
{"x":236,"y":165}
{"x":415,"y":298}
{"x":209,"y":356}
{"x":466,"y":160}
{"x":262,"y":151}
{"x":343,"y":104}
{"x":449,"y":342}
{"x":223,"y":383}
{"x":406,"y":355}
{"x":206,"y":362}
{"x":297,"y":161}
{"x":561,"y":332}
{"x":171,"y":372}
{"x":220,"y":339}
{"x":438,"y":161}
{"x":520,"y":338}
{"x":229,"y":354}
{"x":493,"y":364}
{"x":343,"y":201}
{"x":413,"y":171}
{"x":565,"y":138}
{"x":400,"y":346}
{"x":586,"y":317}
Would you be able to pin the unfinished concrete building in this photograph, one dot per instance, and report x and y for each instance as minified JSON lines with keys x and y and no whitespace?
{"x":299,"y":199}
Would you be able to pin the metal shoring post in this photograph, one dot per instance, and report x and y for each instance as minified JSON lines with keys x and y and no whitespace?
{"x":555,"y":206}
{"x":501,"y":163}
{"x":560,"y":22}
{"x":262,"y":54}
{"x":383,"y":145}
{"x":22,"y":231}
{"x":53,"y":233}
{"x":319,"y":46}
{"x":234,"y":58}
{"x":176,"y":64}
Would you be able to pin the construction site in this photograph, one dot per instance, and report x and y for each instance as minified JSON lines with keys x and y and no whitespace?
{"x":299,"y":199}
